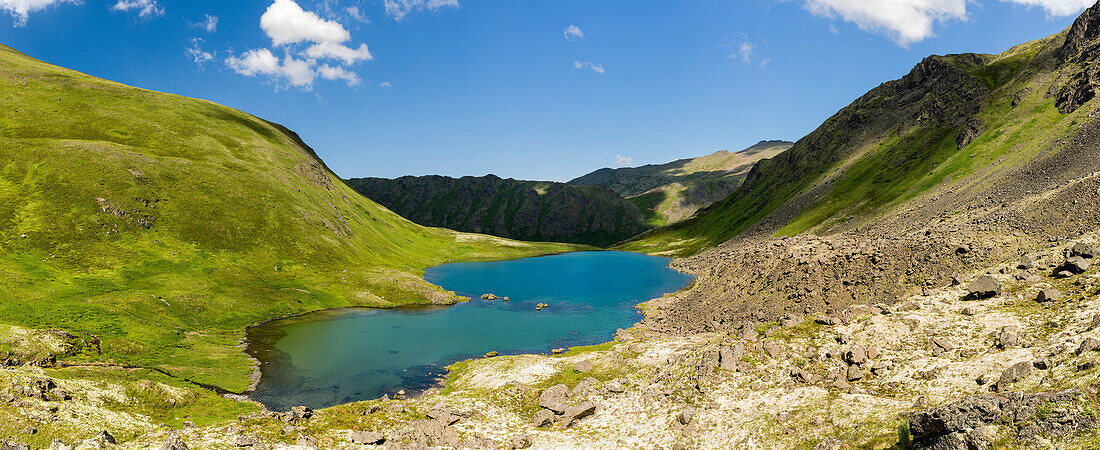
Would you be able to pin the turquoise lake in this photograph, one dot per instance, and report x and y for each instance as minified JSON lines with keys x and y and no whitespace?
{"x":341,"y":356}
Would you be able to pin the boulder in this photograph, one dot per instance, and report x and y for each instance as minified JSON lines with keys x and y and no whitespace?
{"x":12,"y":445}
{"x":728,"y":357}
{"x":1090,"y":344}
{"x":577,"y":412}
{"x":443,"y":413}
{"x":802,"y":376}
{"x":1076,"y":265}
{"x":772,"y":348}
{"x":1048,"y":294}
{"x":555,"y":398}
{"x":1007,"y":339}
{"x":856,"y":354}
{"x":941,"y":346}
{"x":983,"y":287}
{"x":1083,"y":250}
{"x":520,"y":441}
{"x":583,"y":366}
{"x":1026,"y":263}
{"x":543,"y":418}
{"x":368,"y":438}
{"x":686,"y":415}
{"x":791,"y":321}
{"x":854,"y":373}
{"x":1014,"y":373}
{"x":173,"y":442}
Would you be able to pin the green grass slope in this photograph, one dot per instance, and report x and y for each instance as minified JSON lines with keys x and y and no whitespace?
{"x":164,"y":225}
{"x":949,"y":118}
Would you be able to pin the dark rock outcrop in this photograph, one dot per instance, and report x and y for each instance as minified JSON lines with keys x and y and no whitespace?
{"x":524,"y":210}
{"x":970,"y":422}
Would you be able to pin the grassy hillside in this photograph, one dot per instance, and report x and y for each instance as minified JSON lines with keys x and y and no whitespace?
{"x":162,"y":225}
{"x":526,"y":210}
{"x":667,"y":193}
{"x":951,"y":116}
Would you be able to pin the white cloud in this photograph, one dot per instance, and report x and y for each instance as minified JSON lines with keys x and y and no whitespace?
{"x":321,"y":44}
{"x":385,"y":84}
{"x":573,"y":33}
{"x":338,"y":73}
{"x":905,"y":21}
{"x":398,"y":9}
{"x":21,"y":9}
{"x":298,"y":73}
{"x":145,"y":8}
{"x":598,"y":68}
{"x":765,"y":62}
{"x":1057,"y":8}
{"x":198,"y":54}
{"x":338,"y":51}
{"x":287,"y":23}
{"x":210,"y":23}
{"x":621,"y":161}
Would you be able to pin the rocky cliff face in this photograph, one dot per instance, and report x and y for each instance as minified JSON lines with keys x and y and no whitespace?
{"x":526,"y":210}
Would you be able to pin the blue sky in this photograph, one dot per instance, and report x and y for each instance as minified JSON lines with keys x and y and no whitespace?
{"x":530,"y":89}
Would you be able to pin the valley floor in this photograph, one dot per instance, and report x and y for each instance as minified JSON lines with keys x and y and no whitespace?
{"x":851,"y":379}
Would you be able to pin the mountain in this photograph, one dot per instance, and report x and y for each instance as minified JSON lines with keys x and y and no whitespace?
{"x":161,"y":226}
{"x":525,"y":210}
{"x":667,"y":193}
{"x":951,"y":117}
{"x":965,"y":163}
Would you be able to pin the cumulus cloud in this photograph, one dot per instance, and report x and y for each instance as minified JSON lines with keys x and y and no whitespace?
{"x":338,"y":73}
{"x":21,"y":9}
{"x":198,"y":54}
{"x":398,"y":9}
{"x":1057,"y":8}
{"x":296,"y":72}
{"x":579,"y":65}
{"x":905,"y":21}
{"x":573,"y":33}
{"x":336,"y":51}
{"x":621,"y":161}
{"x":287,"y":23}
{"x":144,"y":8}
{"x":313,"y":47}
{"x":385,"y":84}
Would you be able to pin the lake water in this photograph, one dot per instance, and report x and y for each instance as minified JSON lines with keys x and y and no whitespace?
{"x":348,"y":355}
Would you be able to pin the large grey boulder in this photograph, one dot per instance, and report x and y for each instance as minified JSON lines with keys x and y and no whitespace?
{"x":555,"y":398}
{"x":728,"y":357}
{"x":543,"y":418}
{"x":983,"y":287}
{"x":1083,"y":250}
{"x":577,"y":412}
{"x":1076,"y":264}
{"x":173,"y":443}
{"x":1014,"y":373}
{"x":368,"y":438}
{"x":1048,"y":295}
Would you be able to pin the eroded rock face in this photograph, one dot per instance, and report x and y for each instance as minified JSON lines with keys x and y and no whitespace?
{"x":967,"y":423}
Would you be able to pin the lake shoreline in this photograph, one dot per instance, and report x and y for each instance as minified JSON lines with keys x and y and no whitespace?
{"x":259,"y":347}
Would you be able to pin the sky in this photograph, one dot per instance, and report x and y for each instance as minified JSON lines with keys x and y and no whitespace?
{"x":527,"y":89}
